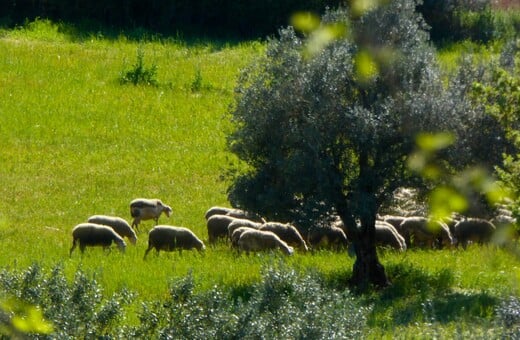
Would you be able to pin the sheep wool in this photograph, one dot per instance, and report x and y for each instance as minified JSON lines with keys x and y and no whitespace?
{"x":170,"y":238}
{"x":258,"y":240}
{"x":146,"y":209}
{"x":90,"y":234}
{"x":120,"y":226}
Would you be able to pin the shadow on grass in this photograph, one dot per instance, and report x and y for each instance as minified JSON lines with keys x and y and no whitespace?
{"x":419,"y":296}
{"x":87,"y":30}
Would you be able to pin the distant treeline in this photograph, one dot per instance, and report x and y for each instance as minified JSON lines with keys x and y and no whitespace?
{"x":244,"y":18}
{"x":449,"y":20}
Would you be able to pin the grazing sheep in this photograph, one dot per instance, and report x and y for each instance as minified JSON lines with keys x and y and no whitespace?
{"x":91,"y":234}
{"x":387,"y":235}
{"x":119,"y":225}
{"x":233,"y":212}
{"x":168,"y":238}
{"x":420,"y":231}
{"x":146,"y":209}
{"x":258,"y":240}
{"x":218,"y":227}
{"x":286,"y":232}
{"x":475,"y":230}
{"x":238,"y":213}
{"x":216,"y":211}
{"x":395,"y":221}
{"x":236,"y":235}
{"x":328,"y":236}
{"x":240,"y":222}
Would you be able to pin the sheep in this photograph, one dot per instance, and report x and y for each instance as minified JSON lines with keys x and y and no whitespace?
{"x":475,"y":230}
{"x":235,"y":236}
{"x":233,"y":212}
{"x":216,"y":211}
{"x":240,"y":222}
{"x":287,"y":233}
{"x":395,"y":221}
{"x":425,"y":232}
{"x":169,"y":238}
{"x":387,"y":235}
{"x":91,"y":234}
{"x":328,"y":236}
{"x":238,"y":213}
{"x":218,"y":227}
{"x":119,"y":225}
{"x":258,"y":240}
{"x":145,"y":209}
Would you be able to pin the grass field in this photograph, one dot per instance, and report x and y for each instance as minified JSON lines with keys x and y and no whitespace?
{"x":77,"y":142}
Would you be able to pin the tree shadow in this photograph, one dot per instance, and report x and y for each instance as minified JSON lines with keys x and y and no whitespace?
{"x":87,"y":30}
{"x":418,"y":296}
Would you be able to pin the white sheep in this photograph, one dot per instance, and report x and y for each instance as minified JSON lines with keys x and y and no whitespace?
{"x":216,"y":210}
{"x":145,"y":209}
{"x":217,"y":226}
{"x":235,"y":236}
{"x":387,"y":235}
{"x":421,"y":231}
{"x":91,"y":234}
{"x":257,"y":240}
{"x":474,"y":230}
{"x":287,"y":233}
{"x":119,"y":225}
{"x":170,"y":238}
{"x":241,"y":222}
{"x":328,"y":236}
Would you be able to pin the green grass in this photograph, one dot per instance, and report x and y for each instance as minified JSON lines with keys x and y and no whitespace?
{"x":75,"y":142}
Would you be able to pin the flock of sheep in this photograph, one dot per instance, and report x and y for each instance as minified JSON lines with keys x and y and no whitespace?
{"x":249,"y":232}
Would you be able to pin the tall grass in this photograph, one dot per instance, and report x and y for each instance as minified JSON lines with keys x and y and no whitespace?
{"x":76,"y":142}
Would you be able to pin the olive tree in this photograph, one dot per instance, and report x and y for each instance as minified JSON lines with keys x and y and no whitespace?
{"x":330,"y":134}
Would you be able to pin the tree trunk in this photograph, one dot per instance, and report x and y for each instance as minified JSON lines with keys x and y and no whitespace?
{"x":367,"y":269}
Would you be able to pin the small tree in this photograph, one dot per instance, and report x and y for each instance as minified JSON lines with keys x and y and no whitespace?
{"x":330,"y":134}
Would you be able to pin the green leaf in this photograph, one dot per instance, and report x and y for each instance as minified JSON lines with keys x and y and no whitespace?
{"x":444,"y":200}
{"x":366,"y":66}
{"x":434,"y":141}
{"x":305,"y":21}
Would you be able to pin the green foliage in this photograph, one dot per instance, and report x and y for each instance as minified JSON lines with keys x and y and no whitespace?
{"x":458,"y":20}
{"x":500,"y":95}
{"x":140,"y":74}
{"x":338,"y":127}
{"x":76,"y":309}
{"x":283,"y":304}
{"x":203,"y":17}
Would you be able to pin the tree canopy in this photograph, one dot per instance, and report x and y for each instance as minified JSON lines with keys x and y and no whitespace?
{"x":332,"y":133}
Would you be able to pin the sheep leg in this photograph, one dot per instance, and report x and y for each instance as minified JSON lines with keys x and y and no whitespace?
{"x":73,"y":247}
{"x":135,"y":223}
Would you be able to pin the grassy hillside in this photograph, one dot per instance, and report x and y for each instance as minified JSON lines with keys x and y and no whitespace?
{"x":77,"y":142}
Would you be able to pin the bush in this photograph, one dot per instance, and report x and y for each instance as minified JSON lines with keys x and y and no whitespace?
{"x":77,"y":309}
{"x":456,"y":20}
{"x":283,"y":305}
{"x":139,"y":74}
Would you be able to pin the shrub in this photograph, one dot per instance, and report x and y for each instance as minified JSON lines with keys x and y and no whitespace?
{"x":283,"y":304}
{"x":77,"y":309}
{"x":139,"y":74}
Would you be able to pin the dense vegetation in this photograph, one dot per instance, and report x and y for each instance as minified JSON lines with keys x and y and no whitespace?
{"x":450,"y":20}
{"x":79,"y":139}
{"x":185,"y":17}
